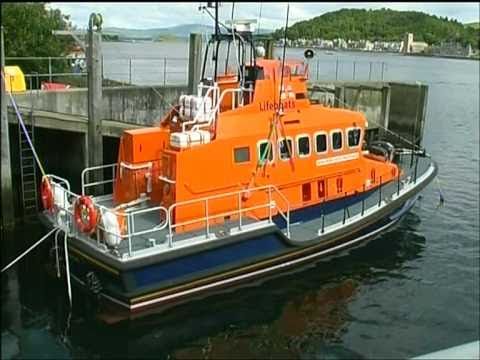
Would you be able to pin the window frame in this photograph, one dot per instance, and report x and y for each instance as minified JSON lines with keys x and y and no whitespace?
{"x":359,"y":140}
{"x":292,"y":148}
{"x":331,"y":137}
{"x":259,"y":143}
{"x":326,"y":142}
{"x":242,"y":162}
{"x":297,"y":138}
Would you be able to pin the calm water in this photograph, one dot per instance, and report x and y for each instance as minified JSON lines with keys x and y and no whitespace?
{"x":411,"y":291}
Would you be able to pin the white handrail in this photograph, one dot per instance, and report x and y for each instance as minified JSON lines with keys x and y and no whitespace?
{"x":216,"y":110}
{"x":210,"y":89}
{"x":238,"y":211}
{"x":92,"y":168}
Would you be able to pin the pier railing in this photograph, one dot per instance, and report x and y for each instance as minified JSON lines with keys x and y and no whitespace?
{"x":174,"y":70}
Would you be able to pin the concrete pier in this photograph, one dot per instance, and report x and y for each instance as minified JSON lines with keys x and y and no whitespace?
{"x":399,"y":107}
{"x":7,"y":211}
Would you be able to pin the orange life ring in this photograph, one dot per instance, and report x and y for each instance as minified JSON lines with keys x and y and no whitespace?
{"x":85,"y":214}
{"x":47,"y":195}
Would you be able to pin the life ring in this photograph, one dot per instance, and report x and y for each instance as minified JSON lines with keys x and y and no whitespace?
{"x":85,"y":215}
{"x":47,"y":195}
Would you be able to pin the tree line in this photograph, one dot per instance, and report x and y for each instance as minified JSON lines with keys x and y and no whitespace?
{"x":382,"y":25}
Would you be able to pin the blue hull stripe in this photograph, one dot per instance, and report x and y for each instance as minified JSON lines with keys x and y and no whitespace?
{"x":234,"y":254}
{"x":208,"y":260}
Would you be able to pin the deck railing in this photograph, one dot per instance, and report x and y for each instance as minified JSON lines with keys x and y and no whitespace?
{"x":94,"y":170}
{"x":415,"y":168}
{"x":239,"y":211}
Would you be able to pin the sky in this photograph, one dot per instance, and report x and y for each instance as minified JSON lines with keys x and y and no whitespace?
{"x":163,"y":14}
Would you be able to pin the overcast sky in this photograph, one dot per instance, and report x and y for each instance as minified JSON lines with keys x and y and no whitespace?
{"x":158,"y":15}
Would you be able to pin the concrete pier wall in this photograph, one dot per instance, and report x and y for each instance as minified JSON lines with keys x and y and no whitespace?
{"x":399,"y":107}
{"x":142,"y":105}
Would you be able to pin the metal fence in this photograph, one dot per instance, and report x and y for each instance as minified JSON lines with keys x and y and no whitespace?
{"x":172,"y":70}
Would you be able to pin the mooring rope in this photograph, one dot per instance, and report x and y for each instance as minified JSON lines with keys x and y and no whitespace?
{"x":20,"y":119}
{"x":29,"y":249}
{"x":440,"y":193}
{"x":67,"y":268}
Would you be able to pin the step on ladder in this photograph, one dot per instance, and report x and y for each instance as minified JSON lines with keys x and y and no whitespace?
{"x":28,"y":168}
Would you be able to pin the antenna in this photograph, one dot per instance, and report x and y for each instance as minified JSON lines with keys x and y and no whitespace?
{"x":283,"y":60}
{"x":216,"y":39}
{"x":259,"y":18}
{"x":279,"y":109}
{"x":228,"y":48}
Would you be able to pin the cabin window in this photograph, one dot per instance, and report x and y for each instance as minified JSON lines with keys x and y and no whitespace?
{"x":241,"y":154}
{"x":321,"y":142}
{"x":265,"y":151}
{"x":303,"y":145}
{"x":337,"y":140}
{"x":285,"y":149}
{"x":354,"y":137}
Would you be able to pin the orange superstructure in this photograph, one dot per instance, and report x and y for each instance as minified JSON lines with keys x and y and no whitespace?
{"x":320,"y":160}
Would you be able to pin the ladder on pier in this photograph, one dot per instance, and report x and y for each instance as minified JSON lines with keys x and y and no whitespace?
{"x":28,"y":168}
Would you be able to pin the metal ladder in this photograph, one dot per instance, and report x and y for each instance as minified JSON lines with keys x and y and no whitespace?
{"x":28,"y":168}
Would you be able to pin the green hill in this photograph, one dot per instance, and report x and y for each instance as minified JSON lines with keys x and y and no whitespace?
{"x":475,"y":25}
{"x":382,"y":25}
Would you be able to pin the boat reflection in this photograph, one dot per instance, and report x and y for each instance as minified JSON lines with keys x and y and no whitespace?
{"x":302,"y":314}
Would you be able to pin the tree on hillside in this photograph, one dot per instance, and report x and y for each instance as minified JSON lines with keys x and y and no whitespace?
{"x":28,"y":32}
{"x":383,"y":25}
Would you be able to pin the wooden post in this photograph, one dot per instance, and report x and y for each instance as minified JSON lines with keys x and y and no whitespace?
{"x":194,"y":62}
{"x":8,"y":216}
{"x":95,"y":106}
{"x":385,"y":109}
{"x":269,"y":49}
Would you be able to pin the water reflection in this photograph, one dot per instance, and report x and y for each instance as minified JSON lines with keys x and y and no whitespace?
{"x":302,"y":314}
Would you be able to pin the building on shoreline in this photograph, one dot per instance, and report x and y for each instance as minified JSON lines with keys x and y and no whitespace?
{"x":407,"y":47}
{"x":413,"y":47}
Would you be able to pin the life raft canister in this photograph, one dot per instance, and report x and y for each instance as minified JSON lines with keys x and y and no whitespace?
{"x":85,"y":215}
{"x":47,"y":195}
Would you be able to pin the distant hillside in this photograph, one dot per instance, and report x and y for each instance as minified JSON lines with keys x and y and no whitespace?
{"x":382,"y":25}
{"x":179,"y":31}
{"x":475,"y":25}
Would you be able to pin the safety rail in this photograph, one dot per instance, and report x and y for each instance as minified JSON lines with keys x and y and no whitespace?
{"x":216,"y":103}
{"x":382,"y":193}
{"x":131,"y":226}
{"x":91,"y":169}
{"x":239,"y":211}
{"x":66,"y":221}
{"x":62,"y":215}
{"x":277,"y":204}
{"x":212,"y":114}
{"x":210,"y":89}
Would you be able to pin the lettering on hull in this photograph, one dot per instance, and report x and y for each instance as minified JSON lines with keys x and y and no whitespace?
{"x":336,"y":159}
{"x":270,"y":105}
